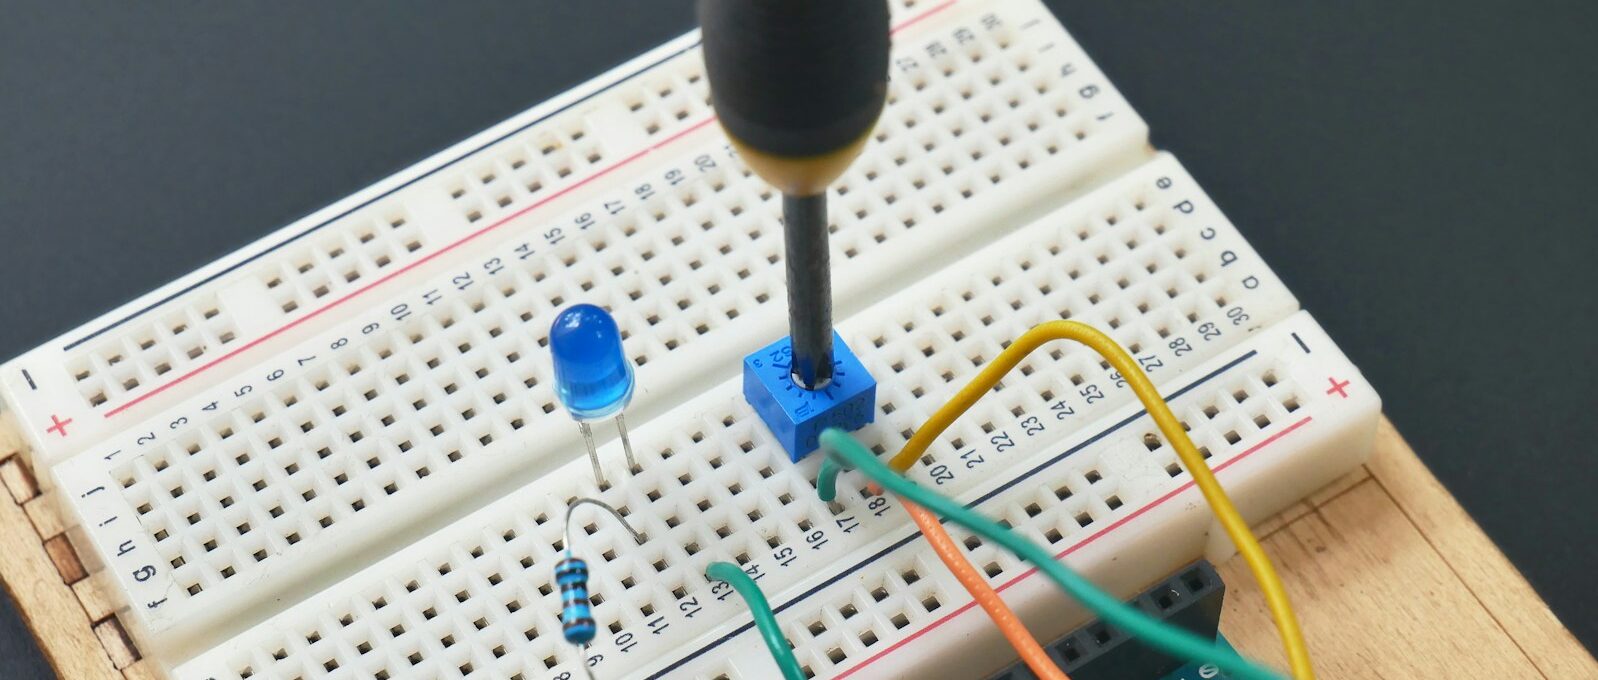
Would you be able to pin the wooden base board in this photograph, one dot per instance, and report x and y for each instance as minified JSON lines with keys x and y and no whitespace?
{"x":1390,"y":577}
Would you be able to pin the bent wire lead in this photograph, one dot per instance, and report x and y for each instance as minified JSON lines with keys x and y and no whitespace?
{"x":571,"y":577}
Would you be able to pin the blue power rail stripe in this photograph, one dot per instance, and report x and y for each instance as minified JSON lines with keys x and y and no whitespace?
{"x":374,"y":199}
{"x":984,"y":498}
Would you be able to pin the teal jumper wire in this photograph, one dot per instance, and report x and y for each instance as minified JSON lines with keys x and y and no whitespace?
{"x":593,"y":378}
{"x":1177,"y":642}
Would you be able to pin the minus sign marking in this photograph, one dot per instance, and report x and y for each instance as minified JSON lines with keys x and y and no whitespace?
{"x":1046,"y":48}
{"x":1030,"y":23}
{"x":1300,"y":342}
{"x":29,"y":378}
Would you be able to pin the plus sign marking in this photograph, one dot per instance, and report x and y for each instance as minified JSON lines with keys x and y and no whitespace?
{"x":1339,"y":387}
{"x":57,"y":425}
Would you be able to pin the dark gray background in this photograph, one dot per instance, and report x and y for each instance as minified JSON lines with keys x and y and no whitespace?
{"x":1419,"y":173}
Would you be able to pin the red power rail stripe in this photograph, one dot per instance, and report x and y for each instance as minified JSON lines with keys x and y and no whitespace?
{"x":912,"y":20}
{"x":424,"y":260}
{"x":470,"y":237}
{"x":1074,"y":547}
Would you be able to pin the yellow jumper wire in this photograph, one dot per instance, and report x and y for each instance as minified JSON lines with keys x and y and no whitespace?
{"x":1225,"y":513}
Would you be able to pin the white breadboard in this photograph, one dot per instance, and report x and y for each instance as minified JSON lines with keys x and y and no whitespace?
{"x":336,"y":453}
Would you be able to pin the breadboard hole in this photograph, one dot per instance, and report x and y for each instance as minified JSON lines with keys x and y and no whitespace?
{"x":671,"y":98}
{"x":198,"y":327}
{"x":333,"y":262}
{"x":154,"y":351}
{"x":526,"y":169}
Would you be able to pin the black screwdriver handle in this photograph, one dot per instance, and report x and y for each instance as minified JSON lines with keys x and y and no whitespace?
{"x":796,"y":78}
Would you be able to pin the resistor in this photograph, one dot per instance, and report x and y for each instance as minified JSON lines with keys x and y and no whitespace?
{"x":571,"y":577}
{"x":576,"y":615}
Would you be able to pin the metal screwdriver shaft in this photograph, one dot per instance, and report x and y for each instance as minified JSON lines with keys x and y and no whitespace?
{"x":804,"y":239}
{"x":798,"y":85}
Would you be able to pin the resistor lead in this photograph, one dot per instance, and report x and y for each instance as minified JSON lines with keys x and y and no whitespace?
{"x":571,"y":577}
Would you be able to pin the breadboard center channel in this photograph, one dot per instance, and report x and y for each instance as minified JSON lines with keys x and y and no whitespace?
{"x":338,"y":453}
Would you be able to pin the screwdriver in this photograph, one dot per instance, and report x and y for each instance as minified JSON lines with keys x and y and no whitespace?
{"x":798,"y":86}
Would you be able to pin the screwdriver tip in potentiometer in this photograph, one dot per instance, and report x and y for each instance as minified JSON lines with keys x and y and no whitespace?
{"x":798,"y":85}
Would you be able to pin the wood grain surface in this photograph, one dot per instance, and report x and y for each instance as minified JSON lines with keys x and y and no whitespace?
{"x":1390,"y":577}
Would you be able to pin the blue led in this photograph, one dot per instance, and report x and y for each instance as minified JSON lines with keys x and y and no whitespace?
{"x":593,"y":378}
